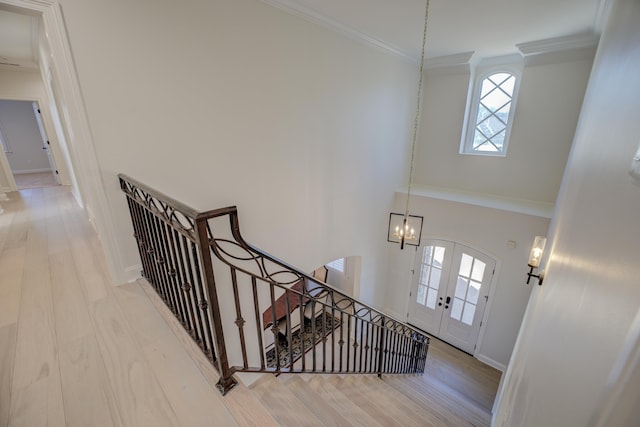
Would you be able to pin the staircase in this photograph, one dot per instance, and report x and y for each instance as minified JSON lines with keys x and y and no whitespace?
{"x":305,"y":353}
{"x":350,"y":400}
{"x":455,"y":390}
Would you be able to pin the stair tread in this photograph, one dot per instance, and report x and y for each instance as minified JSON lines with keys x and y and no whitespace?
{"x":341,"y":402}
{"x":239,"y":399}
{"x":316,"y":404}
{"x":413,"y":409}
{"x":438,"y":396}
{"x":376,"y":404}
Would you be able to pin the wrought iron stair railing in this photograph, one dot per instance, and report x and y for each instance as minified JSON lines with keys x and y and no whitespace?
{"x":251,"y":312}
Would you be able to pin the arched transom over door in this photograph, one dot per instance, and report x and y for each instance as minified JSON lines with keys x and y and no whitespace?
{"x":450,"y":290}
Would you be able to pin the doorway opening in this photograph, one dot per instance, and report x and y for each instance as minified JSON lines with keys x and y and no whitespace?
{"x":26,"y":146}
{"x":450,"y":291}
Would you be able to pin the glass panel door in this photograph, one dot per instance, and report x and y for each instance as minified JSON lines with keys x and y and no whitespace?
{"x":450,"y":291}
{"x":429,"y":285}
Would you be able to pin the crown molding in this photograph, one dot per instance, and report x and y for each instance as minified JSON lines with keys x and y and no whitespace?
{"x":557,"y":44}
{"x":520,"y":206}
{"x":560,"y":49}
{"x":449,"y":60}
{"x":316,"y":17}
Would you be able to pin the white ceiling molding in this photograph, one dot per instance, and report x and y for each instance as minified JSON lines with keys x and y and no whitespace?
{"x":449,"y":60}
{"x":449,"y":65}
{"x":557,"y":44}
{"x":560,"y":49}
{"x":526,"y":207}
{"x":514,"y":58}
{"x":311,"y":15}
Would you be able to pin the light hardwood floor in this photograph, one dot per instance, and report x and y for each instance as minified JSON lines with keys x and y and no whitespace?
{"x":35,"y":180}
{"x":76,"y":350}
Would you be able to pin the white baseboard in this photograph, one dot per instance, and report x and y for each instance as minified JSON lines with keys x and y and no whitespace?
{"x":489,"y":361}
{"x":25,"y":171}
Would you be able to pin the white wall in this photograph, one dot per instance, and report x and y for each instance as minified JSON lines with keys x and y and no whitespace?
{"x":345,"y":280}
{"x":546,"y":114}
{"x":487,"y":230}
{"x":235,"y":102}
{"x":578,"y":322}
{"x":22,"y":136}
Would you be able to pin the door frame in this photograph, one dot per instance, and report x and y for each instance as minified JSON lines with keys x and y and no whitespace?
{"x":84,"y":160}
{"x":491,"y":294}
{"x":46,"y":124}
{"x":46,"y":141}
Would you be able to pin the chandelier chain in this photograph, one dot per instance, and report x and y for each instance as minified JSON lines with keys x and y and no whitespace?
{"x":417,"y":117}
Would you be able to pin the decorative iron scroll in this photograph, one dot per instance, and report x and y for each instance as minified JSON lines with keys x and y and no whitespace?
{"x":181,"y":220}
{"x":250,"y":260}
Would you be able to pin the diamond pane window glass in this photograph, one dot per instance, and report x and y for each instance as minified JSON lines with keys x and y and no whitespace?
{"x":493,"y":112}
{"x":490,"y":111}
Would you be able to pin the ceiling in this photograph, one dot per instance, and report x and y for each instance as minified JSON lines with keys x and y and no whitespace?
{"x":487,"y":27}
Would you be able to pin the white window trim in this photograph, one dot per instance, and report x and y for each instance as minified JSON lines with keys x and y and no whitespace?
{"x":482,"y":71}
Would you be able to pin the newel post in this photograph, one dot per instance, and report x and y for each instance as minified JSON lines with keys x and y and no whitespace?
{"x":226,"y":381}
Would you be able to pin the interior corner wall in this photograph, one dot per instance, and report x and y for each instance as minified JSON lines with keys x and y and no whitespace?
{"x":485,"y":229}
{"x":234,"y":102}
{"x":546,"y":113}
{"x":578,"y":322}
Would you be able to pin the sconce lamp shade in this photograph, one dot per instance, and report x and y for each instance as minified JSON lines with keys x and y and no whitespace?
{"x":404,"y":233}
{"x":536,"y":251}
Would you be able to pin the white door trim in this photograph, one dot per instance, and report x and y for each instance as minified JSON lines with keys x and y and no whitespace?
{"x":81,"y":146}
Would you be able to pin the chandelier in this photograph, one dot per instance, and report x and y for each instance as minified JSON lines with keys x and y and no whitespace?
{"x":405,"y":228}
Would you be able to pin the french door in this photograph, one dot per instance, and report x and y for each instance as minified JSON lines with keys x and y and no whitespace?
{"x":450,"y":290}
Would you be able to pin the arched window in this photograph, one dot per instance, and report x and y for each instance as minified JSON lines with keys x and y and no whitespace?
{"x":490,"y":113}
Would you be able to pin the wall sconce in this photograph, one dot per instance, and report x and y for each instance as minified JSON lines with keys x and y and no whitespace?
{"x":534,"y":258}
{"x":404,"y":231}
